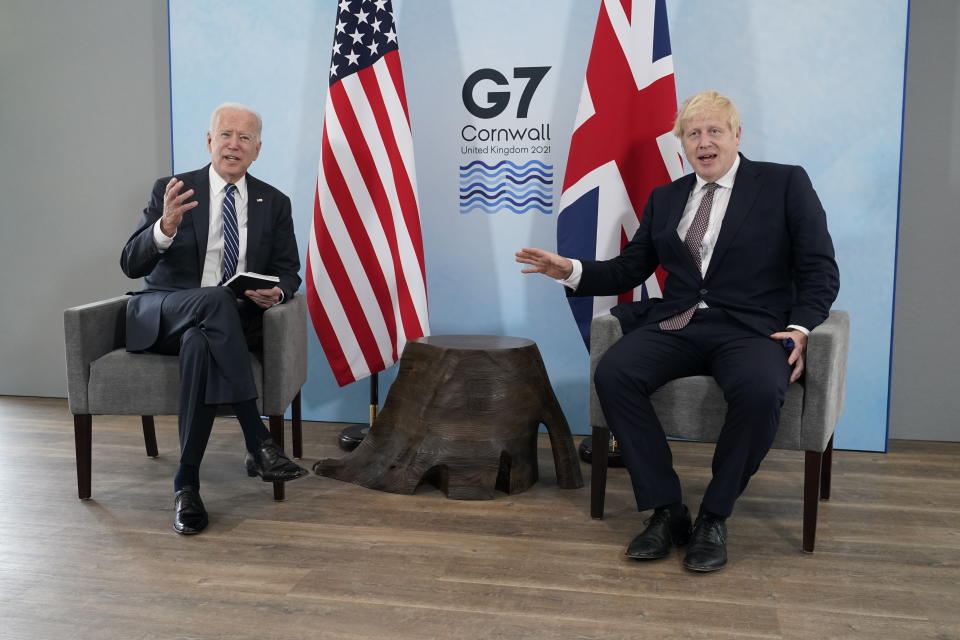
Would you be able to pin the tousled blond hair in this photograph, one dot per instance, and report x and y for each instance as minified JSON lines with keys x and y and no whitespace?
{"x":703,"y":102}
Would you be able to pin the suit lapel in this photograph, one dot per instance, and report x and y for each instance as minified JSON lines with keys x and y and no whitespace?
{"x":678,"y":202}
{"x":200,"y":214}
{"x":257,"y":206}
{"x":746,"y":188}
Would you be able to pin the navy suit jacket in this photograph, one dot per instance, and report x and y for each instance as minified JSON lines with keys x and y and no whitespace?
{"x":271,"y":249}
{"x":773,"y":264}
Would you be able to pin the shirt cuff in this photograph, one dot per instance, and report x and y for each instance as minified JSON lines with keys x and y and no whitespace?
{"x":160,"y":239}
{"x":802,"y":330}
{"x":573,"y":280}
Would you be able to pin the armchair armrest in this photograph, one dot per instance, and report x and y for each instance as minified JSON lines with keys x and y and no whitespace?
{"x":604,"y":331}
{"x":825,"y":381}
{"x":284,"y":354}
{"x":90,"y":331}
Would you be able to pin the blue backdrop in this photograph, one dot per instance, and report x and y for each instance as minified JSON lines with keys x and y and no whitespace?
{"x":818,"y":83}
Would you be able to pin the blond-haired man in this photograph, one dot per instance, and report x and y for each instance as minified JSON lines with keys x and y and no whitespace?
{"x":751,"y":271}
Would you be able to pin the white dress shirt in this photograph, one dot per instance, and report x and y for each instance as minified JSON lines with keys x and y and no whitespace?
{"x":213,"y":261}
{"x":721,"y":198}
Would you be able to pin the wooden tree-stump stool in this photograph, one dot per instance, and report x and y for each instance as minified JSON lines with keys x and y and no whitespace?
{"x":463,"y":415}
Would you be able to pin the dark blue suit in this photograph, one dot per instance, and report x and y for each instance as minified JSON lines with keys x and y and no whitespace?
{"x":208,"y":327}
{"x":773,"y":265}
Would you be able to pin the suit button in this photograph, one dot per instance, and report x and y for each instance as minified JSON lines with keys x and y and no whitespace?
{"x":703,"y":292}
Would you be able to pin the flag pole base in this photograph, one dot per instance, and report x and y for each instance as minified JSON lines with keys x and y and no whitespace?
{"x":352,"y":435}
{"x":614,"y":459}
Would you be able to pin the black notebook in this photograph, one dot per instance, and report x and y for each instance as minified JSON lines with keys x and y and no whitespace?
{"x":249,"y":280}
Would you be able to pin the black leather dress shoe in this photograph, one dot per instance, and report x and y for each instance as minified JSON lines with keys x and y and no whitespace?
{"x":271,"y":463}
{"x":189,"y":514}
{"x":708,"y":544}
{"x":662,"y":532}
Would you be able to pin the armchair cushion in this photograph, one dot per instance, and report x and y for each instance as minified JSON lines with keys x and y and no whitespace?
{"x":120,"y":376}
{"x":693,"y":408}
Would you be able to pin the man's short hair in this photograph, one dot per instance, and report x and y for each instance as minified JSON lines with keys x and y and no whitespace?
{"x":702,"y":102}
{"x":235,"y":106}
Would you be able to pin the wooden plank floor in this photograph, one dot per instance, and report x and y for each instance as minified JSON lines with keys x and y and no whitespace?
{"x":336,"y":561}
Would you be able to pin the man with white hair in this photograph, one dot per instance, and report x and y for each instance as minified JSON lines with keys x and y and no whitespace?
{"x":198,"y":229}
{"x":751,"y":271}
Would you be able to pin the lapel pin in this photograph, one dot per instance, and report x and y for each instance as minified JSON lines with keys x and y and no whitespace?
{"x":259,"y":199}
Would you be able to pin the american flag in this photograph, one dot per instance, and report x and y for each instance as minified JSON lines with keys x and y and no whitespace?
{"x":366,"y":285}
{"x":622,"y":146}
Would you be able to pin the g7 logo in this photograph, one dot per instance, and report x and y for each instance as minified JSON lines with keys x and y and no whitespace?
{"x":498,"y":100}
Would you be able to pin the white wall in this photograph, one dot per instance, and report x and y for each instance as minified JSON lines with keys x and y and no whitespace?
{"x":84,"y":130}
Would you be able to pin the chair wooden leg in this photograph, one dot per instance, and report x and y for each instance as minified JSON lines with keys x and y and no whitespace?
{"x":82,"y":436}
{"x":598,"y":471}
{"x":149,"y":436}
{"x":297,"y":432}
{"x":826,"y":470}
{"x":276,"y":432}
{"x":813,"y":465}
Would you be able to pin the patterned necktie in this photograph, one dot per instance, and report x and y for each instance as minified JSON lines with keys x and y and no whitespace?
{"x":231,"y":235}
{"x":694,"y":240}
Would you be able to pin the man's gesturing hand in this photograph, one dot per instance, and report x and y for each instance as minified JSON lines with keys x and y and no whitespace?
{"x":549,"y":264}
{"x":799,"y":353}
{"x":174,"y":206}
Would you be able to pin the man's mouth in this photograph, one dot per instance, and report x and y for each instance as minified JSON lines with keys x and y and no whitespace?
{"x":231,"y":158}
{"x":707,"y":157}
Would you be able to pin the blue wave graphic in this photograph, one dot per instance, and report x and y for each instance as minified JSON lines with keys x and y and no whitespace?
{"x":492,"y":210}
{"x":515,"y":180}
{"x":505,"y":172}
{"x":516,"y":184}
{"x":483,"y":164}
{"x":496,"y":194}
{"x":500,"y":185}
{"x":518,"y":203}
{"x":506,"y":186}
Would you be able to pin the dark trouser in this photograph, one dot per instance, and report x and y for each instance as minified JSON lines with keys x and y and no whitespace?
{"x":212,"y":332}
{"x":753,"y":373}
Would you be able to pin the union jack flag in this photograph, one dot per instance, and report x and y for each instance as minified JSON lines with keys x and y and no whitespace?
{"x":366,"y":285}
{"x":622,"y":146}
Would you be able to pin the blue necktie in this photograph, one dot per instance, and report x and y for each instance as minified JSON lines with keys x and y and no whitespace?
{"x":231,"y":235}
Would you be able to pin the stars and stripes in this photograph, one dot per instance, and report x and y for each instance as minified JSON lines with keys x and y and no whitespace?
{"x":622,"y":146}
{"x":366,"y":284}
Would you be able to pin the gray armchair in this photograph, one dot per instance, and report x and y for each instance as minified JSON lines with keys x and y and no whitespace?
{"x":104,"y":379}
{"x":693,"y":409}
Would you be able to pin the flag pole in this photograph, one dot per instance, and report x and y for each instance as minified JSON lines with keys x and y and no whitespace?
{"x":352,"y":435}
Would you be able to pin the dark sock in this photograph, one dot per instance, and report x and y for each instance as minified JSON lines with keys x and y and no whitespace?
{"x":675,"y":509}
{"x":187,"y":476}
{"x":254,"y":431}
{"x":710,"y":514}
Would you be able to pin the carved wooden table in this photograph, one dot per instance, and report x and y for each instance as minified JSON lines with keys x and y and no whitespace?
{"x":463,"y":415}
